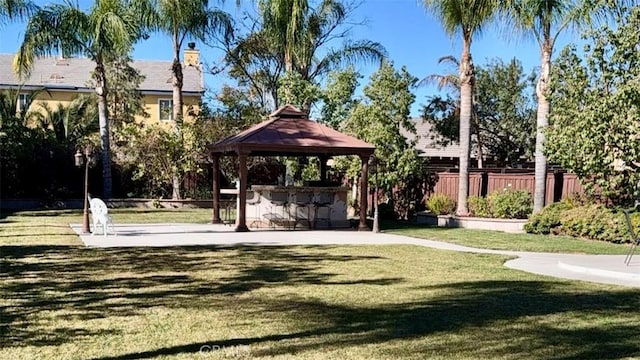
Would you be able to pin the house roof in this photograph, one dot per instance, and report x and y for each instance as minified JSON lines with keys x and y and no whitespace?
{"x":75,"y":73}
{"x":427,"y":146}
{"x":289,"y":131}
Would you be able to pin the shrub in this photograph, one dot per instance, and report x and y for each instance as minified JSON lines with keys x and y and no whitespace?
{"x":510,"y":204}
{"x":548,"y":219}
{"x":594,"y":222}
{"x":479,"y":206}
{"x":441,"y":204}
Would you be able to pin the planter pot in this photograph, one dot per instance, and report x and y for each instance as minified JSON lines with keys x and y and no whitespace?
{"x":505,"y":225}
{"x":426,"y":218}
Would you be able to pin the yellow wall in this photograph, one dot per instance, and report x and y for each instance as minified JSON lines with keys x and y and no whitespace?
{"x":53,"y":98}
{"x":152,"y":106}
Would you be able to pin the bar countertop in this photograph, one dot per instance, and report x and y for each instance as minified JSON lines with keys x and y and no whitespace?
{"x":280,"y":188}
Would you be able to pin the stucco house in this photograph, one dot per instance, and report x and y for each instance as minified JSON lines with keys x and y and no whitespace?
{"x":62,"y":79}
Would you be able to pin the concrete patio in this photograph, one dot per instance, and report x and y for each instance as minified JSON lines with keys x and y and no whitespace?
{"x":607,"y":269}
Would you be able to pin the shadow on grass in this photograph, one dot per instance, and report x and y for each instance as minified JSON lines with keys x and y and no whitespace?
{"x":84,"y":284}
{"x":80,"y":283}
{"x":472,"y":305}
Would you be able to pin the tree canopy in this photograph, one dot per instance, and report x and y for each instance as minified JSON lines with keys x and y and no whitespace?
{"x":595,"y":121}
{"x":293,"y":36}
{"x":382,"y":119}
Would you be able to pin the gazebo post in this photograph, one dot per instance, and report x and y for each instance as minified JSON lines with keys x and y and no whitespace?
{"x":364,"y":178}
{"x":323,"y":167}
{"x":241,"y":223}
{"x":216,"y":189}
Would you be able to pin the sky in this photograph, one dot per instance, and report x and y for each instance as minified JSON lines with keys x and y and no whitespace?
{"x":411,"y":36}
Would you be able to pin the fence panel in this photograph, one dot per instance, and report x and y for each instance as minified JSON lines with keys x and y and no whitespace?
{"x":447,"y":183}
{"x":571,"y":185}
{"x":475,"y":185}
{"x":559,"y":185}
{"x":497,"y":182}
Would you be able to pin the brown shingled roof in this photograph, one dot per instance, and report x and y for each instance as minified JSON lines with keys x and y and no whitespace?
{"x":290,"y":132}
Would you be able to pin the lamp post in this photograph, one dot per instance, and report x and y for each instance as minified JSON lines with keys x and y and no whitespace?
{"x":374,"y":168}
{"x":84,"y":159}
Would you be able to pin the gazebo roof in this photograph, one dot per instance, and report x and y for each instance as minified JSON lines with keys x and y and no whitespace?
{"x":289,"y":131}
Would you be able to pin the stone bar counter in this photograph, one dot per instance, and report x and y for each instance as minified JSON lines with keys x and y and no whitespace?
{"x":292,"y":207}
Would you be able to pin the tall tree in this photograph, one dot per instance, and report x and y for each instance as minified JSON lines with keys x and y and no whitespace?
{"x":546,"y":20}
{"x":504,"y":109}
{"x":466,"y":18}
{"x":595,"y":122}
{"x":291,"y":36}
{"x":107,"y":30}
{"x":186,"y":20}
{"x":284,"y":22}
{"x":451,"y":82}
{"x":338,"y":97}
{"x":125,"y":101}
{"x":381,"y":119}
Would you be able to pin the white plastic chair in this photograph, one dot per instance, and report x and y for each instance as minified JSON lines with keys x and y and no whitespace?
{"x":100,"y":216}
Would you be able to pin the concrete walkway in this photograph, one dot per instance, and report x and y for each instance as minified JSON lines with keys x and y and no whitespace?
{"x":607,"y":269}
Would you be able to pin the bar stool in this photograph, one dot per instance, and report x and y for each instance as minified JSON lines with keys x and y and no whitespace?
{"x":324,"y":201}
{"x":303,"y":201}
{"x":278,"y":199}
{"x":255,"y":201}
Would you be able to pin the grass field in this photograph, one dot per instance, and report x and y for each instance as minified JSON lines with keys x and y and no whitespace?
{"x":60,"y":300}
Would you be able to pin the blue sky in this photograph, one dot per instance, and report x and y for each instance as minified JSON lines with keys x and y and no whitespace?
{"x":411,"y":36}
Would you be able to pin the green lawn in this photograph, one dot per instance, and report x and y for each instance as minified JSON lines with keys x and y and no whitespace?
{"x":59,"y":300}
{"x":505,"y":241}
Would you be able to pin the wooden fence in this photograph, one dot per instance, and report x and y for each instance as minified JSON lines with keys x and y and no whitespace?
{"x":481,"y":183}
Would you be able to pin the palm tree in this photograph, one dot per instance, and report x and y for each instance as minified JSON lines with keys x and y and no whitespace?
{"x":182,"y":20}
{"x":284,"y":21}
{"x":294,"y":38}
{"x":69,"y":122}
{"x":451,"y":82}
{"x":546,"y":20}
{"x":15,"y":9}
{"x":108,"y":29}
{"x":12,"y":113}
{"x":466,"y":17}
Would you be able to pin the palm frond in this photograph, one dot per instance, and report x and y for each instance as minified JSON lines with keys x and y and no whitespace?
{"x":467,"y":17}
{"x":16,"y":9}
{"x":348,"y":54}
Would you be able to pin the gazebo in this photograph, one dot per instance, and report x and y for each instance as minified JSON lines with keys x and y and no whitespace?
{"x":288,"y":132}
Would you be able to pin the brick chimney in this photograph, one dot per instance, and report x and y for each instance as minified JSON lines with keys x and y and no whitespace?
{"x":192,"y":55}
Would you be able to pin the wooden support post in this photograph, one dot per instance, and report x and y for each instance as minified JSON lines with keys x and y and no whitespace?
{"x":323,"y":167}
{"x":364,"y":178}
{"x":241,"y":222}
{"x":216,"y":189}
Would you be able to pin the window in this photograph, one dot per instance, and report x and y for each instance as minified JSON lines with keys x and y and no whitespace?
{"x":165,"y":109}
{"x":23,"y":101}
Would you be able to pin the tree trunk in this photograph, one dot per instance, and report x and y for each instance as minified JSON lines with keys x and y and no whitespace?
{"x":466,"y":92}
{"x":176,"y":184}
{"x":178,"y":117}
{"x":480,"y":153}
{"x":542,"y":122}
{"x":177,"y":83}
{"x":103,"y":120}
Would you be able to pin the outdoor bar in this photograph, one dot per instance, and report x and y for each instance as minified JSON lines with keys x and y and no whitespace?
{"x":312,"y":207}
{"x":289,"y":132}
